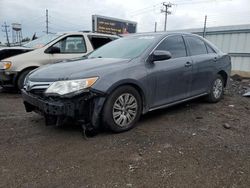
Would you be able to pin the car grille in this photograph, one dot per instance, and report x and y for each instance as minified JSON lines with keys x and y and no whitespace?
{"x":36,"y":88}
{"x":38,"y":92}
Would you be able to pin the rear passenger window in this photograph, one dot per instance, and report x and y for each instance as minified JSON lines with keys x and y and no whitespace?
{"x":196,"y":45}
{"x":175,"y":45}
{"x":98,"y":41}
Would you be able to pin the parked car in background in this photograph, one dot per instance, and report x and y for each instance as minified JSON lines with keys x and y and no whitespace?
{"x":6,"y":52}
{"x":52,"y":48}
{"x":126,"y":78}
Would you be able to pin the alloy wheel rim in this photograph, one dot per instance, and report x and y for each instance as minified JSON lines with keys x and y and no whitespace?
{"x":125,"y":109}
{"x":217,"y":88}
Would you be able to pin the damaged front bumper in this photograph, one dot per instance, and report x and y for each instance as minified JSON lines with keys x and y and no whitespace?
{"x":84,"y":108}
{"x":7,"y":79}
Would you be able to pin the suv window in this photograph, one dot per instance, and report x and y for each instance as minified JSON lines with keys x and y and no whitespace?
{"x":72,"y":44}
{"x":196,"y":45}
{"x":98,"y":41}
{"x":175,"y":45}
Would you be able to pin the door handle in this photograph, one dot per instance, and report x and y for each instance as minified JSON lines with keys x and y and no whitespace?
{"x":188,"y":64}
{"x":215,"y":59}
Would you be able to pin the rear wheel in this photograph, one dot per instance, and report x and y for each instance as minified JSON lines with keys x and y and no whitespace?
{"x":122,"y":109}
{"x":216,"y":90}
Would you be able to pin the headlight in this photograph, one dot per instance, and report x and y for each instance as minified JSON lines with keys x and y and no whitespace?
{"x":70,"y":86}
{"x":5,"y":65}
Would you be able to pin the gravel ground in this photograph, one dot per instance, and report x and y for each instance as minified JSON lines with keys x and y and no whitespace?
{"x":195,"y":144}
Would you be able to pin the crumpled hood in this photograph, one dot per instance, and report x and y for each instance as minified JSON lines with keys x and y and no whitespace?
{"x":76,"y":69}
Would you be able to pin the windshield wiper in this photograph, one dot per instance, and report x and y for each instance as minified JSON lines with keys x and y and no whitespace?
{"x":95,"y":57}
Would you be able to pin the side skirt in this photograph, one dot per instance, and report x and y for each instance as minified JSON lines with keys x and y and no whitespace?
{"x":177,"y":102}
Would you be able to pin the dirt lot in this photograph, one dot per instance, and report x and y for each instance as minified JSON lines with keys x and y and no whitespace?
{"x":183,"y":146}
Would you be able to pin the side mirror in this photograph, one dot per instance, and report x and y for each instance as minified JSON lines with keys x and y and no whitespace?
{"x":53,"y":50}
{"x":160,"y":55}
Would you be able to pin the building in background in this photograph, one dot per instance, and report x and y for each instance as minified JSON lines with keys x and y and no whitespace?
{"x":234,"y":40}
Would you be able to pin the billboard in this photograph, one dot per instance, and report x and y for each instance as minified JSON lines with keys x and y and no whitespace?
{"x":108,"y":25}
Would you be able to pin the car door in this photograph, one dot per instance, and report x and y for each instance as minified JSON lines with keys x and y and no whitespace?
{"x":204,"y":59}
{"x":71,"y":46}
{"x":173,"y":76}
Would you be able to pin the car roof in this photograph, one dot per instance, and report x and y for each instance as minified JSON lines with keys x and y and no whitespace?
{"x":162,"y":35}
{"x":87,"y":33}
{"x":14,"y":48}
{"x":158,"y":34}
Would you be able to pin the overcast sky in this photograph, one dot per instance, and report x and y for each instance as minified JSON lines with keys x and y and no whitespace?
{"x":75,"y":15}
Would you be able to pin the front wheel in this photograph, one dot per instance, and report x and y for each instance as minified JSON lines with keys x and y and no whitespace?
{"x":122,"y":109}
{"x":216,"y":90}
{"x":21,"y":78}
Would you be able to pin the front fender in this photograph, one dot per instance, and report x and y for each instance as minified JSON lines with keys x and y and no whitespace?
{"x":139,"y":86}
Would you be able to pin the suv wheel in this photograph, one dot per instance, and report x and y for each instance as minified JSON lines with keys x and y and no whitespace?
{"x":216,"y":90}
{"x":122,"y":109}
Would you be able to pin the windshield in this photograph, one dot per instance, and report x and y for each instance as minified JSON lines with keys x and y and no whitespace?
{"x":42,"y":41}
{"x":124,"y":48}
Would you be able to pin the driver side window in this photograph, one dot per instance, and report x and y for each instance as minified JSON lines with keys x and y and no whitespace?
{"x":175,"y":45}
{"x":71,"y":44}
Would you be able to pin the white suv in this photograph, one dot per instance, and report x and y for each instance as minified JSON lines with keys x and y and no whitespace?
{"x":51,"y":48}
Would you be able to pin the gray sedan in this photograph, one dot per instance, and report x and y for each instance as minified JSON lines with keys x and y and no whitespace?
{"x":114,"y":85}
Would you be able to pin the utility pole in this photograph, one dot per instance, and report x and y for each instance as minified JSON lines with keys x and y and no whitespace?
{"x":166,"y":11}
{"x":155,"y":26}
{"x":5,"y":29}
{"x":205,"y":27}
{"x":47,"y":21}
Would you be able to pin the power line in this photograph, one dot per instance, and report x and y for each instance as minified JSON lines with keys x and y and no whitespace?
{"x":143,"y":9}
{"x":146,"y":11}
{"x":47,"y":21}
{"x":185,"y":2}
{"x":64,"y":20}
{"x":33,"y":20}
{"x":6,"y":30}
{"x":166,"y":11}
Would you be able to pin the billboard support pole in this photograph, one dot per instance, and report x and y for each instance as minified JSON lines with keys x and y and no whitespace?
{"x":155,"y":26}
{"x":205,"y":27}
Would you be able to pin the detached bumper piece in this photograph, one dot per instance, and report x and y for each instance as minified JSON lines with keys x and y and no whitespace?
{"x":56,"y":110}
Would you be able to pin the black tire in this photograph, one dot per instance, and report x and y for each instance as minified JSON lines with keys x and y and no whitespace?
{"x":108,"y":118}
{"x":21,"y":77}
{"x":8,"y":89}
{"x":212,"y":96}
